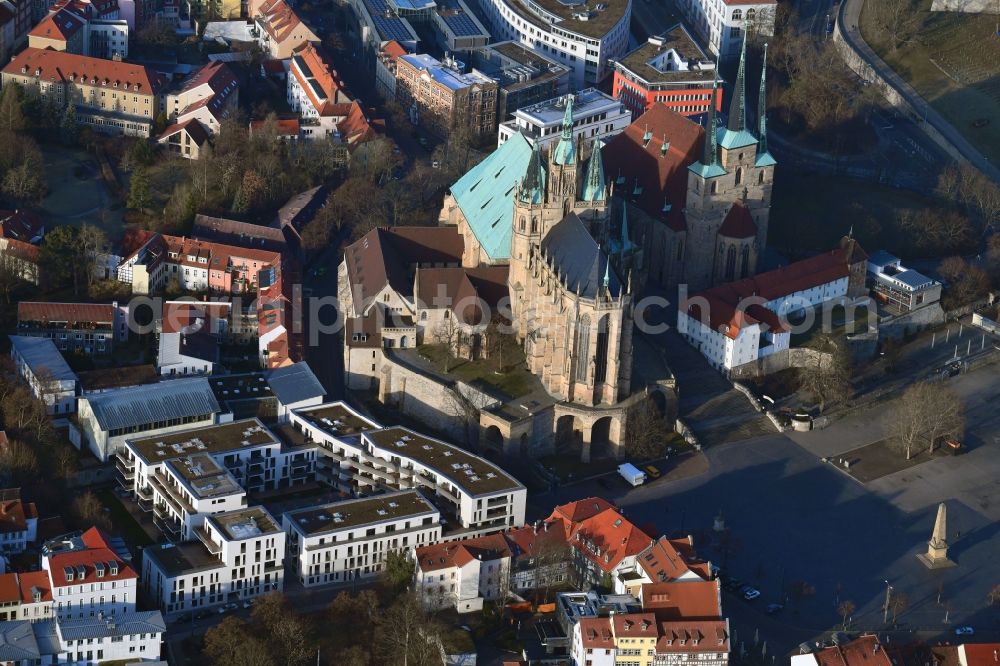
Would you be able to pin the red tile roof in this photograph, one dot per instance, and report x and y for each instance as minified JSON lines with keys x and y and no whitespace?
{"x":97,"y":551}
{"x":60,"y":66}
{"x":450,"y":554}
{"x":34,"y":579}
{"x":279,"y":19}
{"x":193,"y":128}
{"x":10,"y":593}
{"x":738,"y":223}
{"x":864,"y":651}
{"x":331,"y":92}
{"x":597,"y":531}
{"x":179,"y":315}
{"x":724,"y":299}
{"x":393,"y":49}
{"x":21,"y":250}
{"x":358,"y":127}
{"x":62,"y":25}
{"x":667,"y":559}
{"x":688,"y":600}
{"x":285,"y":126}
{"x":661,"y":175}
{"x":71,"y":314}
{"x":595,"y":633}
{"x":981,"y":654}
{"x":693,"y":636}
{"x":14,"y":513}
{"x":474,"y":291}
{"x":634,"y":625}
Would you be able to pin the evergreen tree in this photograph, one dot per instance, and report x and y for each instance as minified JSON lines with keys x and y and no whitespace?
{"x":68,"y":129}
{"x":138,"y":194}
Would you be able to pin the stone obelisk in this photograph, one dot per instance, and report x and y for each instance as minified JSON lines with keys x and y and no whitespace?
{"x":936,"y":556}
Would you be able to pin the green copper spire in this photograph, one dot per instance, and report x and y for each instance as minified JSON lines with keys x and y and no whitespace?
{"x":533,"y":183}
{"x":737,"y":107}
{"x":565,"y":152}
{"x":593,"y":185}
{"x":708,"y":156}
{"x":762,"y":106}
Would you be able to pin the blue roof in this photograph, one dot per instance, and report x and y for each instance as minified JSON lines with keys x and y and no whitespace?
{"x":729,"y":139}
{"x":295,"y":383}
{"x":152,"y":403}
{"x":42,"y":354}
{"x":486,"y":195}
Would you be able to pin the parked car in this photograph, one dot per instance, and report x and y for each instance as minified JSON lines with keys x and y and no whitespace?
{"x":964,"y":631}
{"x":248,"y":603}
{"x":750,"y":593}
{"x":954,"y":446}
{"x":775,"y":608}
{"x":652,"y":471}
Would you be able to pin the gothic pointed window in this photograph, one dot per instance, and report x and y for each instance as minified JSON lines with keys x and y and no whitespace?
{"x":760,"y":177}
{"x":581,"y":355}
{"x":522,"y":223}
{"x":745,"y":262}
{"x":601,"y":357}
{"x":739,"y":175}
{"x":730,"y":264}
{"x":715,"y":187}
{"x":534,"y":225}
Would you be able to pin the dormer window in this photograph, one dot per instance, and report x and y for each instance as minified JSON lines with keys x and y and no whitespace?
{"x":24,"y":69}
{"x":115,"y":85}
{"x":81,"y":572}
{"x":38,"y":72}
{"x":113,"y":567}
{"x":99,"y":569}
{"x":36,"y":595}
{"x":68,"y":572}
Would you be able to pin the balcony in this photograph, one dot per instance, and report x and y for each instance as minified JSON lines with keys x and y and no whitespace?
{"x":172,"y":494}
{"x":170,"y":528}
{"x":255,"y":465}
{"x":447,"y":494}
{"x":204,"y":537}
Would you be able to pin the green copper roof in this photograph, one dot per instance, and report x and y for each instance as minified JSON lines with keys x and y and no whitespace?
{"x":486,"y":195}
{"x":729,"y":139}
{"x":707,"y":170}
{"x":765,"y":159}
{"x":594,"y":183}
{"x":565,"y":150}
{"x":533,"y":185}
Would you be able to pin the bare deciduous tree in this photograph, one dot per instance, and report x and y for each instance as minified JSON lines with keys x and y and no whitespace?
{"x":646,"y":431}
{"x":846,"y":610}
{"x":925,"y":413}
{"x":828,"y":378}
{"x":895,"y":21}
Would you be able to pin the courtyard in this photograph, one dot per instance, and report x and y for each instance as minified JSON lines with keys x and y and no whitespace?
{"x":793,"y":518}
{"x":77,"y":195}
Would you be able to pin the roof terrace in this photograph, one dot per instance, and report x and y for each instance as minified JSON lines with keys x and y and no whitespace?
{"x":337,"y":419}
{"x":246,"y":523}
{"x":473,"y":474}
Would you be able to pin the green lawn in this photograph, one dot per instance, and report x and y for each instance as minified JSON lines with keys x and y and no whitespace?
{"x":514,"y":382}
{"x":123,"y":522}
{"x":811,"y":213}
{"x":954,"y":63}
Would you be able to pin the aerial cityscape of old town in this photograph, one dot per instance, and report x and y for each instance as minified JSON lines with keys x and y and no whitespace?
{"x":500,"y":332}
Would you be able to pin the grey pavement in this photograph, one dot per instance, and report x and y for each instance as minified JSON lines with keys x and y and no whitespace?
{"x":850,"y":12}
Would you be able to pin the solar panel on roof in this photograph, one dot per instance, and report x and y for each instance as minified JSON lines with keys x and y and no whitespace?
{"x":462,"y":25}
{"x":303,"y":67}
{"x":317,"y":88}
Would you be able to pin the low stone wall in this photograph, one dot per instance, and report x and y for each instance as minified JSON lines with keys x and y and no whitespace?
{"x":911,"y":322}
{"x":441,"y":406}
{"x":797,"y":357}
{"x":684,"y":431}
{"x":984,"y":323}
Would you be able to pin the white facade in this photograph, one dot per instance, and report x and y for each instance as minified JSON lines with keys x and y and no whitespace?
{"x":475,"y":493}
{"x":588,"y":645}
{"x":562,"y":38}
{"x":238,"y":556}
{"x":87,"y":578}
{"x":186,"y":476}
{"x":133,"y":637}
{"x":595,"y":116}
{"x":723,"y":26}
{"x":724,"y":352}
{"x":107,"y":38}
{"x":463,"y":574}
{"x":350,"y":540}
{"x":43,"y":368}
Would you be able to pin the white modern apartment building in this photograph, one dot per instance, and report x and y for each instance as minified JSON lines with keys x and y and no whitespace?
{"x":125,"y":639}
{"x":350,"y":540}
{"x":184,"y":477}
{"x":595,"y":116}
{"x":106,"y":420}
{"x":472,"y":492}
{"x":723,"y":24}
{"x":87,"y":577}
{"x":237,"y":556}
{"x":582,"y":36}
